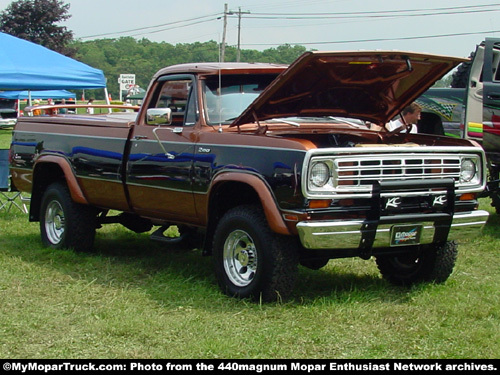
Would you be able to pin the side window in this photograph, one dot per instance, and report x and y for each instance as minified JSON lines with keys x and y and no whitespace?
{"x":496,"y":67}
{"x":191,"y":109}
{"x":175,"y":94}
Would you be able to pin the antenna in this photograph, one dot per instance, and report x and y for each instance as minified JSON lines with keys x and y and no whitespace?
{"x":221,"y":59}
{"x":219,"y":100}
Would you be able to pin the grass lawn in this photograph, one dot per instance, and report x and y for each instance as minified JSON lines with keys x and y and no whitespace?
{"x":5,"y":138}
{"x":134,"y":298}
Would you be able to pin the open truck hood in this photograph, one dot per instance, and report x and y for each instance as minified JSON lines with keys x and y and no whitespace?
{"x":369,"y":85}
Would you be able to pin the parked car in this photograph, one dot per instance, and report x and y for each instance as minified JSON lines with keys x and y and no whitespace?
{"x":8,"y":112}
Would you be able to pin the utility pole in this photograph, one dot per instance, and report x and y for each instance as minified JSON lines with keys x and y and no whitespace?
{"x":231,"y":13}
{"x":223,"y":46}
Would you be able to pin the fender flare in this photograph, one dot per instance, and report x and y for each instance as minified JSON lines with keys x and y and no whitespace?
{"x":69,"y":175}
{"x":271,"y":210}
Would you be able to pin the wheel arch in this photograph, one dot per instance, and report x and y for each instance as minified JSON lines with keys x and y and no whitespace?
{"x":49,"y":169}
{"x":229,"y":190}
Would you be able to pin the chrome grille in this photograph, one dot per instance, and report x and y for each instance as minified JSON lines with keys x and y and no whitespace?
{"x":352,"y":172}
{"x":357,"y":171}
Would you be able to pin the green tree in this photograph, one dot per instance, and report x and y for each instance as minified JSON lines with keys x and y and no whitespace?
{"x":144,"y":58}
{"x":37,"y":21}
{"x":284,"y":54}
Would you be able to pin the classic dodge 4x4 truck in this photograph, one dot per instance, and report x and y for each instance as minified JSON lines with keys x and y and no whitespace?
{"x":273,"y":166}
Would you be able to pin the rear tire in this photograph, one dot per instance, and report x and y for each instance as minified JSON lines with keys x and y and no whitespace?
{"x":64,"y":223}
{"x":460,"y":78}
{"x":250,"y":259}
{"x":433,"y":263}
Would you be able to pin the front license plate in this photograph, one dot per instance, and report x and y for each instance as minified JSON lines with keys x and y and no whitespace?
{"x":403,"y":235}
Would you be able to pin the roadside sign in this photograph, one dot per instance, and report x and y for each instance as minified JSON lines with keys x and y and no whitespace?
{"x":126,"y":81}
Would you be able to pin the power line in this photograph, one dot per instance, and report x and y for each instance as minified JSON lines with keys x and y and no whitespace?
{"x":304,"y":14}
{"x":175,"y":27}
{"x":156,"y":26}
{"x":312,"y":16}
{"x":356,"y":15}
{"x":380,"y":39}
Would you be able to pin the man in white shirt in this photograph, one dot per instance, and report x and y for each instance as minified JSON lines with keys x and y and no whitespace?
{"x":411,"y":115}
{"x":90,"y":110}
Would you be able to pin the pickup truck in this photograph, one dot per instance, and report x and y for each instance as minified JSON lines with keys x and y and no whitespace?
{"x":470,"y":109}
{"x":271,"y":166}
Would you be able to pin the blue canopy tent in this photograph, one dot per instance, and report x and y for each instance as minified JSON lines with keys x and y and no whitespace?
{"x":28,"y":66}
{"x":44,"y":94}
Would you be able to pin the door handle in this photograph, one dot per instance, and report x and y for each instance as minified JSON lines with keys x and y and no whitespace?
{"x":138,"y":137}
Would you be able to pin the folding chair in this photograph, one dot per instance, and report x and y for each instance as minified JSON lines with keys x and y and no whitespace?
{"x":8,"y":196}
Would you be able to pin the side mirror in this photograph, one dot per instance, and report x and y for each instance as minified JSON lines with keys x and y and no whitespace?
{"x":159,"y":116}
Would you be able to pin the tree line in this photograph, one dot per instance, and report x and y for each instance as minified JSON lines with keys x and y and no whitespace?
{"x":144,"y":58}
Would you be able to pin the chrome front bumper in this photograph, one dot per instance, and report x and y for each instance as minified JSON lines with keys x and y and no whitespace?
{"x":356,"y":234}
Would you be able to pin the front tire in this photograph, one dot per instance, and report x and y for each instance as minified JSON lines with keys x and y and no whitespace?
{"x":64,"y":223}
{"x":495,"y":190}
{"x":433,"y":263}
{"x":251,"y":260}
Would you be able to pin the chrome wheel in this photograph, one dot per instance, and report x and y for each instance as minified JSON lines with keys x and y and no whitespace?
{"x":240,"y":258}
{"x":65,"y":224}
{"x":250,"y":259}
{"x":54,"y":222}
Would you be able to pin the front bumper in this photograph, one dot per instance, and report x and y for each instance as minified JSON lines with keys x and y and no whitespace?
{"x":381,"y":230}
{"x":7,"y":123}
{"x":359,"y":234}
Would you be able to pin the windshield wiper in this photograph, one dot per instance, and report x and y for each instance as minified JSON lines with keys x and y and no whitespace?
{"x":293,"y":123}
{"x":344,"y":120}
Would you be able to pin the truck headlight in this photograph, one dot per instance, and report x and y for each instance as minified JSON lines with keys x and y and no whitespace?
{"x":467,"y":170}
{"x":320,"y":174}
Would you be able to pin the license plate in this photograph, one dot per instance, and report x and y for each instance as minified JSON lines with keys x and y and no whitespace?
{"x":404,"y":235}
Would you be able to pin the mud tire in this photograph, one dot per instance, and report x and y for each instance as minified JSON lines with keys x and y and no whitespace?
{"x":434,"y":263}
{"x":65,"y":224}
{"x":250,"y":260}
{"x":460,"y":78}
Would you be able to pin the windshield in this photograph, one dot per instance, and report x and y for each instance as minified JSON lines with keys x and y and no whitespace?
{"x":226,"y":100}
{"x":7,"y":104}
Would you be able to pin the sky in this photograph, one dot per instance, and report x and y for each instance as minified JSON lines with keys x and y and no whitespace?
{"x":448,"y":27}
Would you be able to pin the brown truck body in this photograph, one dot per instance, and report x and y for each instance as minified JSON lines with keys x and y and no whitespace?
{"x":273,"y":165}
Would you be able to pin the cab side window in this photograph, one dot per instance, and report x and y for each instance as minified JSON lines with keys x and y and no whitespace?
{"x":176,"y":94}
{"x":496,"y":68}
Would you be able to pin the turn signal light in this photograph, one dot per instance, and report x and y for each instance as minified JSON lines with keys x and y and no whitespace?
{"x":468,"y":197}
{"x":320,"y":203}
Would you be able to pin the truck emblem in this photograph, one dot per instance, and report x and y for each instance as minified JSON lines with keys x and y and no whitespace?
{"x":393,"y":202}
{"x":203,"y":150}
{"x":440,"y":200}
